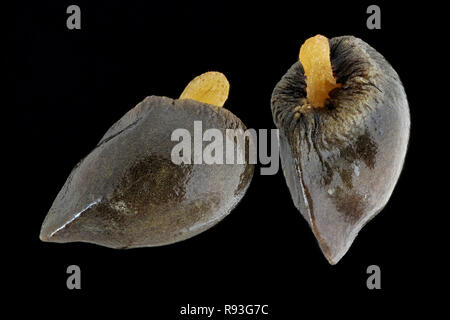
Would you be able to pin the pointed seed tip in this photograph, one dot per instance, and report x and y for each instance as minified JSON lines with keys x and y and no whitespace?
{"x":44,"y":237}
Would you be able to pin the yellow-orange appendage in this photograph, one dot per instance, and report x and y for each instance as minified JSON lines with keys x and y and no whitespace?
{"x":210,"y":87}
{"x":315,"y":58}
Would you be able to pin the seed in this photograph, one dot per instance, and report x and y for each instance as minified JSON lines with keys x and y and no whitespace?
{"x":128,"y":193}
{"x":343,"y":136}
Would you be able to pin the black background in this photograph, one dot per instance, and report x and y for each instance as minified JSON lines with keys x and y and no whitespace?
{"x":65,"y":88}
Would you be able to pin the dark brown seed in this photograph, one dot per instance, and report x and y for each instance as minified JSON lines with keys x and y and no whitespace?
{"x":128,"y":193}
{"x":342,"y":161}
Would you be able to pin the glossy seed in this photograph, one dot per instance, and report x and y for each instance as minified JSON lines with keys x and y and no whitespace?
{"x":341,"y":161}
{"x":129,"y":193}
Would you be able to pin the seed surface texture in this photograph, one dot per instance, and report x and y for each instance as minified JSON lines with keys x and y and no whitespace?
{"x":127,"y":192}
{"x":344,"y":126}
